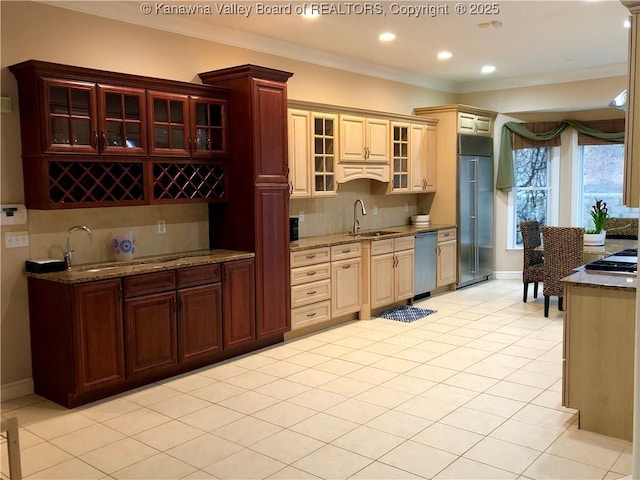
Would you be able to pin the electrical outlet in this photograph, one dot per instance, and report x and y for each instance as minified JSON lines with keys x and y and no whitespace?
{"x":375,"y":210}
{"x":301,"y":216}
{"x":406,"y":208}
{"x":162,"y":227}
{"x":16,"y":239}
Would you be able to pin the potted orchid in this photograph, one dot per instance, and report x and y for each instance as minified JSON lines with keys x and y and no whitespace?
{"x":599,"y":214}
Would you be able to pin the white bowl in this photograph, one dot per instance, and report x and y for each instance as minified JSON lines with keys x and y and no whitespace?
{"x":420,"y":219}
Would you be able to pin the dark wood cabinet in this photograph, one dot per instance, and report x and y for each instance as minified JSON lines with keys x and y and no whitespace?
{"x":258,"y":140}
{"x":150,"y":323}
{"x":94,"y":339}
{"x":199,"y":313}
{"x":77,"y":339}
{"x":239,"y":303}
{"x":98,"y":335}
{"x":92,"y":138}
{"x":272,"y":232}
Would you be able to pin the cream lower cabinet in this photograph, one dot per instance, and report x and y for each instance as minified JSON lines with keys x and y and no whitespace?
{"x":392,"y":270}
{"x":447,"y":258}
{"x":310,"y":287}
{"x":346,"y":279}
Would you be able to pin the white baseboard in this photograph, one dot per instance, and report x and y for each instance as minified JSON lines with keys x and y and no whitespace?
{"x":508,"y":275}
{"x":17,"y":389}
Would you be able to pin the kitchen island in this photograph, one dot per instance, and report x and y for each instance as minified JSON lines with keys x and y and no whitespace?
{"x":598,"y":350}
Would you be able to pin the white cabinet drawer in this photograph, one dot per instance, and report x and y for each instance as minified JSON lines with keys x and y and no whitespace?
{"x":310,"y":257}
{"x":404,"y":243}
{"x":310,"y":273}
{"x":342,"y":252}
{"x":310,"y":293}
{"x":310,"y":314}
{"x":379,"y":247}
{"x":447,"y":234}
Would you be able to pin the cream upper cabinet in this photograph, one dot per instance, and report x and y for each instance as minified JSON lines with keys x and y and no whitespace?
{"x":312,"y":154}
{"x":473,"y":124}
{"x":299,"y":153}
{"x":364,"y":139}
{"x":423,"y":158}
{"x":324,"y":149}
{"x":400,"y":157}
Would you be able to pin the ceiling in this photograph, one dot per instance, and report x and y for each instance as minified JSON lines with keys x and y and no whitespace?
{"x":530,"y":42}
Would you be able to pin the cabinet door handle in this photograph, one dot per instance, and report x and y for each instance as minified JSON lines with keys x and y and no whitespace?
{"x":189,"y":144}
{"x":96,"y":139}
{"x":439,"y":251}
{"x":309,"y":274}
{"x":312,"y":293}
{"x":346,"y":251}
{"x":311,"y":256}
{"x":194,"y":142}
{"x":103,"y":140}
{"x":346,"y":266}
{"x":311,"y":315}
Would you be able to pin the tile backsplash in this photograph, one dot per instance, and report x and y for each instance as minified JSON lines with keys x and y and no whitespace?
{"x":323,"y":216}
{"x":186,"y":229}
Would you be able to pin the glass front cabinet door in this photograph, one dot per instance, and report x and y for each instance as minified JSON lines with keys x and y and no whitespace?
{"x":169,"y":124}
{"x":324,"y":154}
{"x":123,"y":120}
{"x":208,"y":120}
{"x":400,"y":157}
{"x":71,"y":116}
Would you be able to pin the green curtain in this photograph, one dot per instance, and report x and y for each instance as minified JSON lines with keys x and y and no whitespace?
{"x":505,"y":179}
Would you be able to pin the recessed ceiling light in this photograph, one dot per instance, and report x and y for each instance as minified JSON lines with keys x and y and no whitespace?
{"x":310,"y":13}
{"x":626,"y":23}
{"x":387,"y":37}
{"x":488,"y":69}
{"x":444,"y":55}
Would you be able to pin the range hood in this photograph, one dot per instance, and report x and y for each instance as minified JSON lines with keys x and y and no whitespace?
{"x":620,"y":102}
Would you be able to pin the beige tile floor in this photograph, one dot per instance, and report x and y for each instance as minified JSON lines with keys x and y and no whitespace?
{"x":472,"y":391}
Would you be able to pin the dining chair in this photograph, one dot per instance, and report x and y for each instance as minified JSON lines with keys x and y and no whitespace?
{"x":533,"y":267}
{"x":563,"y":251}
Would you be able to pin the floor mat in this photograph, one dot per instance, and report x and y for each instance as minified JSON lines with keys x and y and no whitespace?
{"x":406,"y":313}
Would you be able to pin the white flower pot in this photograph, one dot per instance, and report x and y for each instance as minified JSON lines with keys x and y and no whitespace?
{"x":595,"y":238}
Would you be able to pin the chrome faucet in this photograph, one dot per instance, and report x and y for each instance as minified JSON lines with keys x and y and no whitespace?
{"x":67,"y":240}
{"x":356,"y":223}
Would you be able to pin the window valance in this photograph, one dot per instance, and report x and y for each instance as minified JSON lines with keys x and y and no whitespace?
{"x":505,"y":178}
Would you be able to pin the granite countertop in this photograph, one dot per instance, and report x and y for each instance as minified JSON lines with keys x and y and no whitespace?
{"x":616,"y":281}
{"x":155,"y":263}
{"x":342,"y":238}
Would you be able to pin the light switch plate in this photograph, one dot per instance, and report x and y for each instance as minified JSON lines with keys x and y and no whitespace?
{"x":16,"y":239}
{"x":301,"y":216}
{"x":375,"y":209}
{"x":162,"y":227}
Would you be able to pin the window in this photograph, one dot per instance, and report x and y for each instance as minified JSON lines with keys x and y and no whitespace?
{"x":602,"y":176}
{"x":530,"y":196}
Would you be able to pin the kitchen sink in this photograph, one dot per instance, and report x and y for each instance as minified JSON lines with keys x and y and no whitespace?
{"x":376,"y":233}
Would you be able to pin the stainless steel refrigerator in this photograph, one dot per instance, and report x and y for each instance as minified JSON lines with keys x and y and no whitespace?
{"x":475,"y":209}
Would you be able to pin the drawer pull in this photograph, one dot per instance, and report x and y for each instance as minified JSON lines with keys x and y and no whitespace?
{"x":346,"y":251}
{"x":311,"y":315}
{"x":309,"y":274}
{"x":311,"y":256}
{"x":346,"y":266}
{"x":312,"y":293}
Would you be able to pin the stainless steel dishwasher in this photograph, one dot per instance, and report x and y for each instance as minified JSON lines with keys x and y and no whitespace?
{"x":425,"y":263}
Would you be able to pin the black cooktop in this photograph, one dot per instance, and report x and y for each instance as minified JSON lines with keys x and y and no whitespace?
{"x":625,"y":261}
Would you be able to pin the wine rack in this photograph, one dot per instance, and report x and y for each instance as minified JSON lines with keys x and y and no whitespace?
{"x":95,"y":182}
{"x":192,"y":181}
